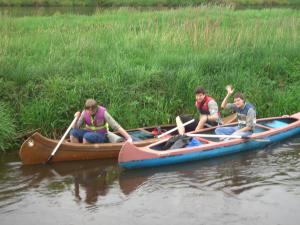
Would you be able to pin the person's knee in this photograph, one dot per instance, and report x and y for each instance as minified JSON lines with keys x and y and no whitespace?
{"x":94,"y":137}
{"x":88,"y":138}
{"x":73,"y":132}
{"x":178,"y":120}
{"x":72,"y":138}
{"x":84,"y":141}
{"x":221,"y":131}
{"x":185,"y":118}
{"x":76,"y":133}
{"x":218,"y":130}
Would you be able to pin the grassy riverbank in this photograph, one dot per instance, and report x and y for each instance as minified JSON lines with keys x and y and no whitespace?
{"x":143,"y":3}
{"x":144,"y":66}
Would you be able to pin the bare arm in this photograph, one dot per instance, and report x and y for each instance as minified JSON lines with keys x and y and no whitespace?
{"x":116,"y":126}
{"x":202,"y":121}
{"x":80,"y":117}
{"x":229,"y":93}
{"x":124,"y":134}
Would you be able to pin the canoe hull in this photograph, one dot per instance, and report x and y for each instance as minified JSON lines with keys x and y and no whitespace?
{"x":36,"y":149}
{"x":132,"y":157}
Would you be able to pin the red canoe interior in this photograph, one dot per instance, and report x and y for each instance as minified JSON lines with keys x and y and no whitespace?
{"x":261,"y":126}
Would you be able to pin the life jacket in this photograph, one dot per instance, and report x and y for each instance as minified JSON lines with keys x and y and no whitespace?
{"x":242,"y":114}
{"x":203,"y":106}
{"x":97,"y":123}
{"x":204,"y":110}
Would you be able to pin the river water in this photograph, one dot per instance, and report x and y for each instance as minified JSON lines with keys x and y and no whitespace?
{"x":50,"y":11}
{"x":258,"y":187}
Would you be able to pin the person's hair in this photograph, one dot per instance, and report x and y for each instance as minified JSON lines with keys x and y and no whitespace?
{"x":90,"y":104}
{"x":200,"y":90}
{"x":239,"y":95}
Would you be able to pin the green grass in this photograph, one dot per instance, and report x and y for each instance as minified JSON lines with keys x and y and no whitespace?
{"x":7,"y":128}
{"x":144,"y":66}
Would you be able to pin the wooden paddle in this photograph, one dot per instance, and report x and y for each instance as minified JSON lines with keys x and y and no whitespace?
{"x":227,"y":136}
{"x":61,"y":140}
{"x":175,"y":128}
{"x":230,"y":119}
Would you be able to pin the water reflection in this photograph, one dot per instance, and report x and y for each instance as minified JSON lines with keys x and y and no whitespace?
{"x":89,"y":180}
{"x":250,"y":178}
{"x":85,"y":179}
{"x":47,"y":11}
{"x":94,"y":183}
{"x":277,"y":165}
{"x":90,"y":10}
{"x":63,"y":10}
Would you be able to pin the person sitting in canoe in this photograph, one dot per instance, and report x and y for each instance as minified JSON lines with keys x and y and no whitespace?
{"x":92,"y":124}
{"x":246,"y":115}
{"x":208,"y":109}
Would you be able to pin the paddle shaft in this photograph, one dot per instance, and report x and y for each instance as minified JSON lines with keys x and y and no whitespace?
{"x":225,"y":136}
{"x":61,"y":140}
{"x":175,"y":128}
{"x":214,"y":136}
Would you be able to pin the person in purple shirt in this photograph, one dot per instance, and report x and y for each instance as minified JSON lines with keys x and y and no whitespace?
{"x":92,"y":125}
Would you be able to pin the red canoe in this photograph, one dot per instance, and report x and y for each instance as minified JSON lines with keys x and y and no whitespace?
{"x":268,"y":130}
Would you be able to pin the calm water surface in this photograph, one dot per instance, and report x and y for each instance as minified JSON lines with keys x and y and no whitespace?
{"x":259,"y":187}
{"x":49,"y":11}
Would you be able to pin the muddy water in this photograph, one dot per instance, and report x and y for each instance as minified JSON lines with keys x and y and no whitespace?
{"x":259,"y":187}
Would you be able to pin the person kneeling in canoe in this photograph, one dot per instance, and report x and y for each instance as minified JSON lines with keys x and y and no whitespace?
{"x":95,"y":120}
{"x":208,"y":109}
{"x":246,"y":115}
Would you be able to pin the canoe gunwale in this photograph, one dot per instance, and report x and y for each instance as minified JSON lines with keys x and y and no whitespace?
{"x":265,"y":134}
{"x":152,"y":156}
{"x":36,"y":148}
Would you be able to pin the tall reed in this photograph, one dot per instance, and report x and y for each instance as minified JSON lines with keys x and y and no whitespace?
{"x":7,"y":128}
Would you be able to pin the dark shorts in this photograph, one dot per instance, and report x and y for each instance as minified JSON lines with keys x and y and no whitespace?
{"x":90,"y":136}
{"x":192,"y":126}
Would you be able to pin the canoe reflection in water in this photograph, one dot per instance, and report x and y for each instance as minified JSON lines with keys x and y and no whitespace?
{"x":89,"y":181}
{"x":224,"y":174}
{"x":91,"y":178}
